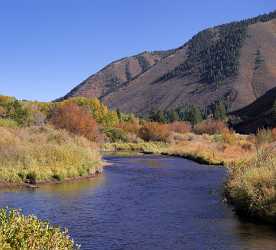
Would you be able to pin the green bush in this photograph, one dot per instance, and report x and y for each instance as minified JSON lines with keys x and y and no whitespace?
{"x":116,"y":135}
{"x":20,"y":232}
{"x":8,"y":123}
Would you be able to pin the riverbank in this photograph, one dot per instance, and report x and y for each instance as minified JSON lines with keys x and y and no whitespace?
{"x":204,"y":149}
{"x":251,"y":186}
{"x":35,"y":155}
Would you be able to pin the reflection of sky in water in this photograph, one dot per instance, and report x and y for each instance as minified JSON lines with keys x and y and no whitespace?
{"x":147,"y":202}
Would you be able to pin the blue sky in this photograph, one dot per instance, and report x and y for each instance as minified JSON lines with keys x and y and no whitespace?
{"x":49,"y":46}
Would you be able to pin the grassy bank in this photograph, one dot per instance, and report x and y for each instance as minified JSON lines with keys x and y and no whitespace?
{"x":38,"y":154}
{"x":28,"y":233}
{"x":205,"y":149}
{"x":216,"y":149}
{"x":141,"y":147}
{"x":251,"y":187}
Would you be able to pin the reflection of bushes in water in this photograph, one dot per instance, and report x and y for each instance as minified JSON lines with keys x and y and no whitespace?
{"x":73,"y":188}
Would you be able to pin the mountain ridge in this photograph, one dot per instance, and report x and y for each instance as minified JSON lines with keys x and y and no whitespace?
{"x":217,"y":64}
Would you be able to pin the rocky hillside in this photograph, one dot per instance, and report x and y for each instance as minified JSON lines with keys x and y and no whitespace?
{"x":234,"y":63}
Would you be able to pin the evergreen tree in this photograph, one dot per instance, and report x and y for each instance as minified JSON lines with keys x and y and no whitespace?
{"x":220,"y":111}
{"x":173,"y":116}
{"x":195,"y":115}
{"x":160,"y":117}
{"x":119,"y":114}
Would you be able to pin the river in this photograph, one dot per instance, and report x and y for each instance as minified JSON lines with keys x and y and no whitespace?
{"x":145,"y":202}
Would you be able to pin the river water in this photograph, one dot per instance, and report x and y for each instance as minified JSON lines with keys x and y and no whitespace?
{"x":145,"y":202}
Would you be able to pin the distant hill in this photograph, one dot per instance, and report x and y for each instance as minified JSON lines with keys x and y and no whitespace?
{"x":234,"y":63}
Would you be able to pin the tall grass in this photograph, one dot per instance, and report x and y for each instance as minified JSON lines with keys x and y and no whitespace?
{"x":34,"y":154}
{"x":252,"y":186}
{"x":143,"y":147}
{"x":19,"y":232}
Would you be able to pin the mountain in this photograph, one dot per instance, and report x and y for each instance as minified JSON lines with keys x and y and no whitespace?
{"x":259,"y":114}
{"x":234,"y":63}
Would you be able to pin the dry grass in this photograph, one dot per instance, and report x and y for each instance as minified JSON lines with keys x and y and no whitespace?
{"x":212,"y":149}
{"x":252,"y":186}
{"x":143,"y":147}
{"x":43,"y":154}
{"x":209,"y":127}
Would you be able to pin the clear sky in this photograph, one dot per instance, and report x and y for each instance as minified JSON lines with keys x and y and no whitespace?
{"x":49,"y":46}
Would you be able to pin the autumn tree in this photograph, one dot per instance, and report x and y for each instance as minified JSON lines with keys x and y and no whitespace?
{"x":76,"y":120}
{"x":99,"y":111}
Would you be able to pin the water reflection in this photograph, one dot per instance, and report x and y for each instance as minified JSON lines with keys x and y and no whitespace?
{"x":74,"y":188}
{"x":66,"y":189}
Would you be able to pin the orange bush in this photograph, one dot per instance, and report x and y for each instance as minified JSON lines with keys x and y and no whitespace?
{"x":132,"y":126}
{"x":210,"y":127}
{"x":229,"y":136}
{"x":154,"y":131}
{"x":180,"y":127}
{"x":273,"y":133}
{"x":76,"y":120}
{"x":2,"y":112}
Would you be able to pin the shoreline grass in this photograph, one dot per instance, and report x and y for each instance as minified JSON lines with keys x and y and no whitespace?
{"x":251,"y":187}
{"x":42,"y":154}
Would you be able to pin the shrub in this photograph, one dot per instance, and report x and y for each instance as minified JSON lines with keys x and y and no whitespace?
{"x":264,"y":136}
{"x":2,"y":112}
{"x":116,"y":135}
{"x":98,"y":110}
{"x":18,"y":231}
{"x":8,"y":123}
{"x":153,"y":131}
{"x":247,"y":146}
{"x":180,"y":127}
{"x":131,"y":126}
{"x":210,"y":127}
{"x":251,"y":186}
{"x":76,"y":120}
{"x":13,"y":109}
{"x":229,"y":136}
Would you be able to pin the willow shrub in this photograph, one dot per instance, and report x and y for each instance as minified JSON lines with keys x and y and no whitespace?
{"x":20,"y":232}
{"x":153,"y":131}
{"x":43,"y":154}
